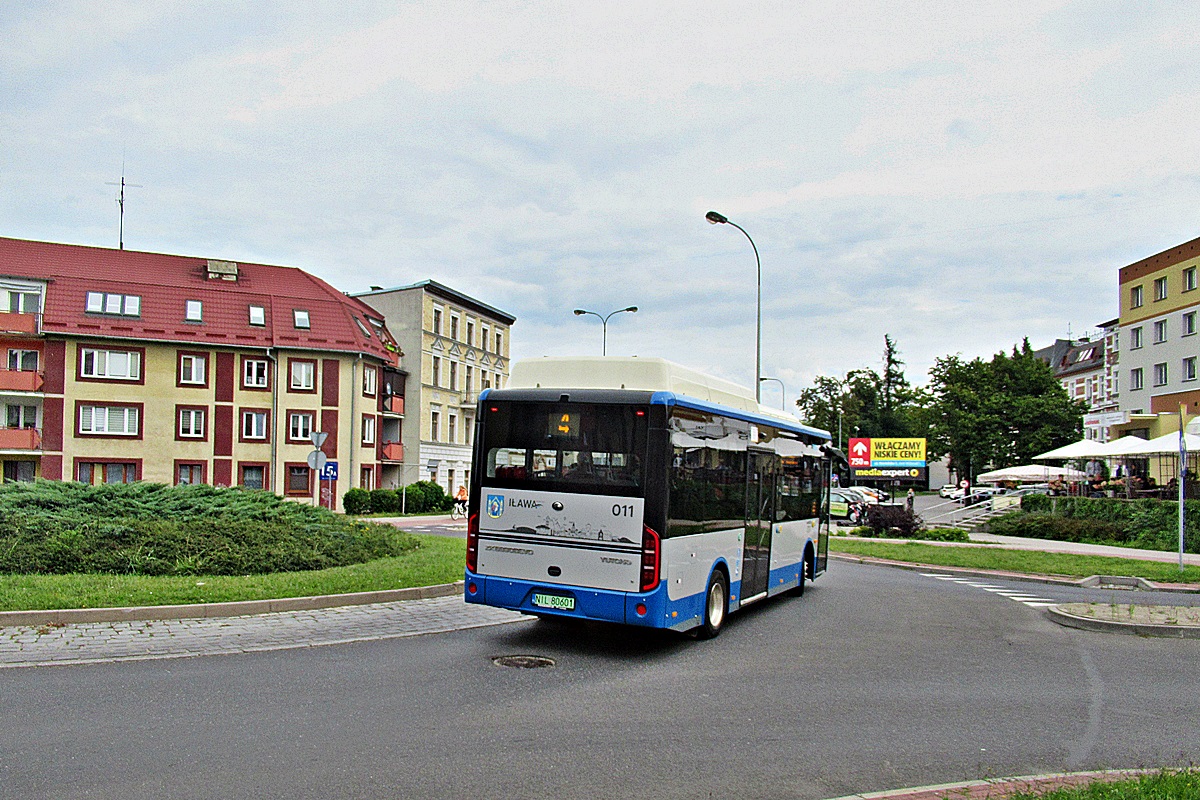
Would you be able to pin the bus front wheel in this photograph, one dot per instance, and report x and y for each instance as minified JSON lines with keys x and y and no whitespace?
{"x":716,"y":605}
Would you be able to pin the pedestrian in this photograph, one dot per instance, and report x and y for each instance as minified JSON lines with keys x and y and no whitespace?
{"x":912,"y":499}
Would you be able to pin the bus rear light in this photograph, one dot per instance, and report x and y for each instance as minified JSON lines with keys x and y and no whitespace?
{"x":650,"y":559}
{"x":640,"y":608}
{"x":472,"y":588}
{"x":473,"y":542}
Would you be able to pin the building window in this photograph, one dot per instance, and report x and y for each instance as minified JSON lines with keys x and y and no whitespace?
{"x":254,"y":476}
{"x":368,"y":429}
{"x":1135,"y":297}
{"x":453,"y":327}
{"x":23,"y":360}
{"x":1160,"y":288}
{"x":191,"y":423}
{"x":122,"y":305}
{"x":21,"y":416}
{"x":300,"y":426}
{"x":258,"y":315}
{"x":300,"y":318}
{"x":298,"y":480}
{"x":1189,"y":279}
{"x":366,"y":478}
{"x":470,"y":333}
{"x":434,"y":419}
{"x":1135,"y":379}
{"x":1160,"y":331}
{"x":1135,"y":338}
{"x":1189,"y":323}
{"x":1189,"y":368}
{"x":454,"y":376}
{"x":370,"y":381}
{"x":452,"y":430}
{"x":1160,"y":374}
{"x":437,"y":321}
{"x":116,"y":365}
{"x":187,"y":474}
{"x":194,"y":311}
{"x":254,"y":374}
{"x":105,"y":472}
{"x":109,"y":420}
{"x":470,"y":387}
{"x":254,"y":425}
{"x":192,"y":370}
{"x":499,"y":343}
{"x":303,"y":375}
{"x":437,"y":371}
{"x":24,"y":302}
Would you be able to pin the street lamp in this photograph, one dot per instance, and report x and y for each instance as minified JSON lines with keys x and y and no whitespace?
{"x":579,"y":312}
{"x":720,"y":219}
{"x":782,"y":391}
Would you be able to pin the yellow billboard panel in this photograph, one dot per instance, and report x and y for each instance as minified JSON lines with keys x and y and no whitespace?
{"x":897,"y":452}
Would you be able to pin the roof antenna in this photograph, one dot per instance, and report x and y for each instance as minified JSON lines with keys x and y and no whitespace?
{"x":121,"y":203}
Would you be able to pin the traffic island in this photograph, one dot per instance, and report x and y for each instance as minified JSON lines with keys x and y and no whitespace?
{"x":1177,"y":622}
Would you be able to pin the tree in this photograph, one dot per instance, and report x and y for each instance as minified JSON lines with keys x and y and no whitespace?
{"x":1000,"y":413}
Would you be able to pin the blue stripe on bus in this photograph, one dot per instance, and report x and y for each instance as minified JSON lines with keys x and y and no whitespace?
{"x":672,"y":399}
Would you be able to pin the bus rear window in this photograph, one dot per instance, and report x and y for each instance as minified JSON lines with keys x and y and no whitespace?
{"x":577,"y":447}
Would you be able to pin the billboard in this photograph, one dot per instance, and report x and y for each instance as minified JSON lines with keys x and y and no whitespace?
{"x":887,"y":453}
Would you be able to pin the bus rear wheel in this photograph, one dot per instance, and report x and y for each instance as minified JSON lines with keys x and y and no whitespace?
{"x":716,"y":606}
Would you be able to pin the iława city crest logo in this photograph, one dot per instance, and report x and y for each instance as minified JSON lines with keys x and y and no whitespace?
{"x":495,"y":506}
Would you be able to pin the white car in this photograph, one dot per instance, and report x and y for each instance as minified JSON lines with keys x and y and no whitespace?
{"x":950,"y":491}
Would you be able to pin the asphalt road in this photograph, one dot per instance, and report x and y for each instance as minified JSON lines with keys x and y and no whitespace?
{"x":878,"y":678}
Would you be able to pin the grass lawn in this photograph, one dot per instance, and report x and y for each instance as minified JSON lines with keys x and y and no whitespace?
{"x":1183,"y":785}
{"x":438,"y":559}
{"x":1029,"y":561}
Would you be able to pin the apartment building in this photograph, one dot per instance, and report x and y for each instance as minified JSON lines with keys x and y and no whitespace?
{"x":463,"y":346}
{"x":1160,"y":303}
{"x":124,"y":366}
{"x":1084,"y":367}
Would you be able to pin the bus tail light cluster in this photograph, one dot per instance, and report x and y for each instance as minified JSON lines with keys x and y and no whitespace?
{"x":651,"y":559}
{"x":473,"y":542}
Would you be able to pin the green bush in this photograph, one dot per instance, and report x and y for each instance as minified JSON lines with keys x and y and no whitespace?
{"x":357,"y":501}
{"x":384,"y":501}
{"x":1148,"y":524}
{"x":150,"y":529}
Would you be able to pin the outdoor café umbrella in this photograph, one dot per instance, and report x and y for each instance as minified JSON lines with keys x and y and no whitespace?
{"x":1085,"y":448}
{"x":1031,"y":473}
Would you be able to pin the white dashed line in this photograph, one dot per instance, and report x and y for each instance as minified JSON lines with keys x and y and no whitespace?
{"x":1024,"y":598}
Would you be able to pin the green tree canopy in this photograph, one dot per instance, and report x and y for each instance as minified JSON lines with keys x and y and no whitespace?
{"x":998,"y":413}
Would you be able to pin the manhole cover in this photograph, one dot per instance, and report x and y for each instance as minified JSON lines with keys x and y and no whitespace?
{"x":523,"y":662}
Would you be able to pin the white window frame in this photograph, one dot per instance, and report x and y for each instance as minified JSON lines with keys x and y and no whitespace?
{"x":193,"y":311}
{"x":1189,"y":279}
{"x":251,"y":377}
{"x":370,"y":381}
{"x":1189,"y":324}
{"x":1160,"y":288}
{"x":258,"y":315}
{"x":101,"y":362}
{"x":1135,"y":338}
{"x":20,"y":298}
{"x":1160,"y":331}
{"x":300,"y":426}
{"x":1161,"y":377}
{"x":258,"y":425}
{"x":113,"y":304}
{"x":17,"y":357}
{"x":368,"y":429}
{"x":301,"y":319}
{"x":1188,"y":369}
{"x":193,"y":370}
{"x":303,"y":375}
{"x":1136,"y":297}
{"x":191,"y":423}
{"x":106,"y":423}
{"x":1136,"y":379}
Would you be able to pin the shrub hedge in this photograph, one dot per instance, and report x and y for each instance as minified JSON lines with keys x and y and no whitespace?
{"x":418,"y":498}
{"x":1146,"y":524}
{"x":53,"y":527}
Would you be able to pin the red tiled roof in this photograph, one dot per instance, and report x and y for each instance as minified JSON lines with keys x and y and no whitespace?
{"x":165,"y":283}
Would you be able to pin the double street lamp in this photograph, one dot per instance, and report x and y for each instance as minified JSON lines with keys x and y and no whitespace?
{"x":720,"y":219}
{"x":579,"y":312}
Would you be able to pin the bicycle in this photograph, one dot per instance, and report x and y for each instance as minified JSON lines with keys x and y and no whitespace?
{"x":458,"y":510}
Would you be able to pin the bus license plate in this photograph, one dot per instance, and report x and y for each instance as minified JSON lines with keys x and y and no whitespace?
{"x":554,"y":601}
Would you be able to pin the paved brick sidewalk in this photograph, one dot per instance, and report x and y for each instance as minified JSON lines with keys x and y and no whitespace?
{"x":93,"y":642}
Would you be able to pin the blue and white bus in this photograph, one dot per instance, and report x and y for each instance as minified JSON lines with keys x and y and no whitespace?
{"x":632,"y":490}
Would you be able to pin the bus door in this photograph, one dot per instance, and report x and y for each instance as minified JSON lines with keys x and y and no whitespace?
{"x":760,"y":512}
{"x":823,"y":523}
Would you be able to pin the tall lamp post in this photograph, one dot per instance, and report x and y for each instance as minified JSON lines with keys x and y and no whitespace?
{"x":782,"y":391}
{"x":720,"y":219}
{"x":579,"y":312}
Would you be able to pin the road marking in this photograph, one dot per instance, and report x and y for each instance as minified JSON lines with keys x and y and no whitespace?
{"x":1024,"y":598}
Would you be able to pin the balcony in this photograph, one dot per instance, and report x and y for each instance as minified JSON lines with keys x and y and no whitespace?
{"x":12,"y":322}
{"x":20,"y":439}
{"x":469,"y":399}
{"x":12,"y":380}
{"x":392,"y":404}
{"x":393,"y":451}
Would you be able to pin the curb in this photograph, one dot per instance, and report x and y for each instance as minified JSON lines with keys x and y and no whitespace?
{"x":233,"y":609}
{"x":1135,"y":628}
{"x":1090,"y":582}
{"x":1002,"y":787}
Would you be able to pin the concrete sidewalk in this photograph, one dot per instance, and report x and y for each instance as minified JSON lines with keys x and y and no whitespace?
{"x":1078,"y":548}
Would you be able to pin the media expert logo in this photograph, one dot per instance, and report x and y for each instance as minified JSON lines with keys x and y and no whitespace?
{"x":495,"y":505}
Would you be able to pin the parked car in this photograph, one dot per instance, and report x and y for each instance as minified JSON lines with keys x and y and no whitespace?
{"x":948,"y":491}
{"x":879,"y":494}
{"x":981,"y":494}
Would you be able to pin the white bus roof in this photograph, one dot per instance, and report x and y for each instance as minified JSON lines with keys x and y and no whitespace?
{"x":639,"y":374}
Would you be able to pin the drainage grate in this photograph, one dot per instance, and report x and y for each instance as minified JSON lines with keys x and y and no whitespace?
{"x":523,"y":662}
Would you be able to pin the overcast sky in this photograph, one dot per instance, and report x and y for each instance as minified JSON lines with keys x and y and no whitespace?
{"x":956,"y":174}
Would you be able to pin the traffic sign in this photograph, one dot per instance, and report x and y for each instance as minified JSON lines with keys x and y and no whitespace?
{"x":316,"y":460}
{"x":318,"y":438}
{"x":329,"y":472}
{"x":860,"y":453}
